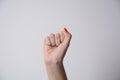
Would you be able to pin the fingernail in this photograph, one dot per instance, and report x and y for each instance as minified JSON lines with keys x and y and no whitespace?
{"x":65,"y":30}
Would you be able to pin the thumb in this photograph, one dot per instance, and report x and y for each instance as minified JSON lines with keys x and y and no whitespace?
{"x":67,"y":37}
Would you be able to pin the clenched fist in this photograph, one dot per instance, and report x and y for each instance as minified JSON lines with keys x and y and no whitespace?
{"x":56,"y":45}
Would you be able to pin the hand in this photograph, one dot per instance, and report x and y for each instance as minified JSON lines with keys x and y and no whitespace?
{"x":56,"y":45}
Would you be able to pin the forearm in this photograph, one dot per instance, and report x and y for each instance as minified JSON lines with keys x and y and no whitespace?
{"x":56,"y":71}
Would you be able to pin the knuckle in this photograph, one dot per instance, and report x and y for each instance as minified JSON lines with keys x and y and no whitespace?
{"x":57,"y":35}
{"x":69,"y":35}
{"x":52,"y":35}
{"x":46,"y":38}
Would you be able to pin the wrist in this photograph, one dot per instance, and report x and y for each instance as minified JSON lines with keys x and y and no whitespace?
{"x":55,"y":70}
{"x":53,"y":62}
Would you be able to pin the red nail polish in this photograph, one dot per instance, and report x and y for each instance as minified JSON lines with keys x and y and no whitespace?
{"x":65,"y":30}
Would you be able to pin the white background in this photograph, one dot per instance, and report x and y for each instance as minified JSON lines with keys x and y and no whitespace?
{"x":94,"y":53}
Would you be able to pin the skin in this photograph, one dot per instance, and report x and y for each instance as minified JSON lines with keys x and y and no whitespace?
{"x":55,"y":47}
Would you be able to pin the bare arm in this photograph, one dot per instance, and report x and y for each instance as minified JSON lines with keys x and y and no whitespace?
{"x":55,"y":47}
